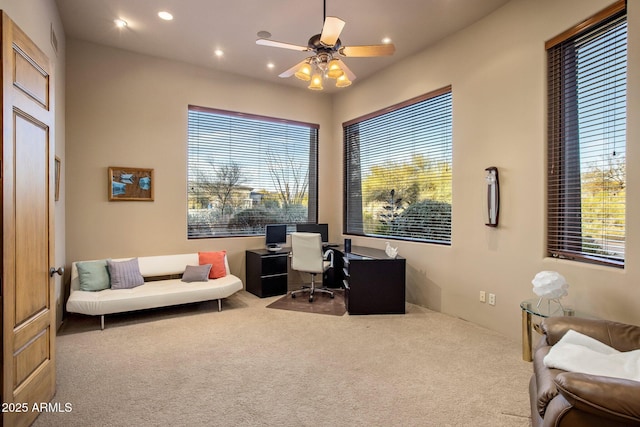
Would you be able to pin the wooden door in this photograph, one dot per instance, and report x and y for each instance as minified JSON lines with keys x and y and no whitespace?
{"x":28,"y":300}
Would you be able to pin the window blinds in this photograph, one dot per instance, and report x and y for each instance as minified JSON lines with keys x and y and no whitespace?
{"x":246,"y":171}
{"x":398,"y":170}
{"x":586,"y":184}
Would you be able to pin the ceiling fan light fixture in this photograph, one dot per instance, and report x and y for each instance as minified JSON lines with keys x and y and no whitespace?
{"x":304,"y":72}
{"x":334,"y":70}
{"x":343,"y":81}
{"x":316,"y":82}
{"x":326,"y":46}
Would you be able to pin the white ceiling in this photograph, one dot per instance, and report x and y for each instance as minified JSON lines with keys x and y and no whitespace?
{"x":202,"y":26}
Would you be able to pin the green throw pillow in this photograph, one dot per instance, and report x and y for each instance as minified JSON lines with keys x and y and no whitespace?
{"x":94,"y":275}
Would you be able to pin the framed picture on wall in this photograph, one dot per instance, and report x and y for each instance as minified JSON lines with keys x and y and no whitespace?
{"x":130,"y":184}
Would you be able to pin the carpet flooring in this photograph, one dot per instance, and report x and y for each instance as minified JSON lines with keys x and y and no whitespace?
{"x":253,"y":366}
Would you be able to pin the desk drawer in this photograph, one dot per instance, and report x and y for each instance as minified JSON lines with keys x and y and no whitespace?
{"x":274,"y":264}
{"x":274,"y":285}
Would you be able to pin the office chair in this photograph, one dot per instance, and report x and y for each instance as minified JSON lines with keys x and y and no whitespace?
{"x":307,"y":257}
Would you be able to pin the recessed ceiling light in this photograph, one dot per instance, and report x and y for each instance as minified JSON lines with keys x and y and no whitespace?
{"x":386,"y":40}
{"x":271,"y":65}
{"x":165,"y":15}
{"x":218,"y":52}
{"x":120,"y":23}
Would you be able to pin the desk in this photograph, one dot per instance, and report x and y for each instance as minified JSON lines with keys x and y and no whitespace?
{"x":373,"y":282}
{"x":535,"y":307}
{"x":268,"y":273}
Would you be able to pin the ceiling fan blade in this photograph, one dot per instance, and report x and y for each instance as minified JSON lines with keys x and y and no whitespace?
{"x":363,"y":51}
{"x":291,"y":71}
{"x":347,"y":71}
{"x":273,"y":43}
{"x":331,"y":30}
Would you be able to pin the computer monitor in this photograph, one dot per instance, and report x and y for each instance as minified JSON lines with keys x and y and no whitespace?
{"x":275,"y":234}
{"x":323,"y":229}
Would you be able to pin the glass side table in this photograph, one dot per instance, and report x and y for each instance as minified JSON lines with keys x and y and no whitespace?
{"x":540,"y":308}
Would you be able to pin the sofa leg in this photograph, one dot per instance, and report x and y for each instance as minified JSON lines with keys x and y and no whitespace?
{"x":102,"y":322}
{"x":219,"y":305}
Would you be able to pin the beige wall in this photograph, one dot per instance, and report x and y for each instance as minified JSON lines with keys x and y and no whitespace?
{"x":125,"y":109}
{"x":497,"y":71}
{"x":36,"y":18}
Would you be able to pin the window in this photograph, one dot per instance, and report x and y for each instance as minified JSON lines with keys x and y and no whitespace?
{"x":586,"y":180}
{"x":398,"y":168}
{"x":246,"y":171}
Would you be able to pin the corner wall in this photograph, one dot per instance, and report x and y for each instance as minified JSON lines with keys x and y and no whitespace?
{"x":127,"y":109}
{"x":497,"y":70}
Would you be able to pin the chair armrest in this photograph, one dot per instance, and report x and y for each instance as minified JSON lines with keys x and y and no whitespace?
{"x":607,"y":397}
{"x":329,"y":255}
{"x":620,"y":336}
{"x":554,"y":328}
{"x":544,"y":379}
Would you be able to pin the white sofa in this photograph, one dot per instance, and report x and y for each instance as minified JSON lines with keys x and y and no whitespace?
{"x":152,"y":294}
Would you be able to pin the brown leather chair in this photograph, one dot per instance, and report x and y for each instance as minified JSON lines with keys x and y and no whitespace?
{"x":560,"y":398}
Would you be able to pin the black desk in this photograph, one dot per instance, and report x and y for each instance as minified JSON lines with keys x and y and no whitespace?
{"x":269,"y":273}
{"x":373,"y":282}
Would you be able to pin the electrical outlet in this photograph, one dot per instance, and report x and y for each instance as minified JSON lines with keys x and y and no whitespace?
{"x":483,"y":296}
{"x":492,"y":299}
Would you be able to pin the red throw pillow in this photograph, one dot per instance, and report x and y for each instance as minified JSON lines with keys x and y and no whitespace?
{"x":216,"y":259}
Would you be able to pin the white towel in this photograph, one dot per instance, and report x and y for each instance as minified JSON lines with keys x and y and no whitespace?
{"x":576,"y":352}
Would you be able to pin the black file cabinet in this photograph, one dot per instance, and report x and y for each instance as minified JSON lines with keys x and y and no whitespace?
{"x":266,"y":272}
{"x":373,"y":282}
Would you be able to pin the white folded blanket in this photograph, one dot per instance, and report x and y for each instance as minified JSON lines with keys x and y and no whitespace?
{"x":576,"y":352}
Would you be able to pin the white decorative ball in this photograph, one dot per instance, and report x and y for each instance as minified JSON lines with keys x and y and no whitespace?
{"x":550,"y":284}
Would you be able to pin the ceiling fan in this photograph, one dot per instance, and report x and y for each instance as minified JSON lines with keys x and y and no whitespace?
{"x":326,"y":48}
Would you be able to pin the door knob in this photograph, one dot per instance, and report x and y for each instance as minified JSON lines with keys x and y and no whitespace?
{"x":59,"y":270}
